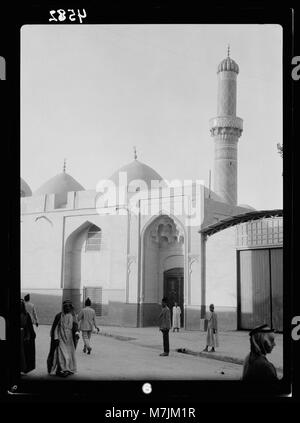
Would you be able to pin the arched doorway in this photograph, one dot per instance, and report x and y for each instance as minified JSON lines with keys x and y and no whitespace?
{"x":173,"y":289}
{"x":84,"y":240}
{"x":163,"y":251}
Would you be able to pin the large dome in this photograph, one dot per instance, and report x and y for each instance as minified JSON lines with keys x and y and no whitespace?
{"x":137,"y":171}
{"x":59,"y":184}
{"x":25,"y":189}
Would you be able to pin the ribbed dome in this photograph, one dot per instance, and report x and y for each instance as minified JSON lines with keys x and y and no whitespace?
{"x":25,"y":189}
{"x":136,"y":171}
{"x":228,"y":65}
{"x":59,"y":184}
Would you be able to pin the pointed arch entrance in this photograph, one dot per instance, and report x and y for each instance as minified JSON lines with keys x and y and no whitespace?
{"x":87,"y":237}
{"x":163,"y":250}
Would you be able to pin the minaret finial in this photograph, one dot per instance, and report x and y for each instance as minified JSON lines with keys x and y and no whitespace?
{"x":228,"y":50}
{"x":135,"y":155}
{"x":65,"y":163}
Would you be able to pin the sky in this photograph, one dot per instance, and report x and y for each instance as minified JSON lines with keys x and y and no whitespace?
{"x":90,"y":93}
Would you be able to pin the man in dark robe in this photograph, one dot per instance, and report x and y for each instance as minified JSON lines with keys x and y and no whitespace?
{"x":256,"y":366}
{"x":27,"y":341}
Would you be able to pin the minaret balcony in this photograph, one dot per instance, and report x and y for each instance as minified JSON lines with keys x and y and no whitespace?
{"x":230,"y":122}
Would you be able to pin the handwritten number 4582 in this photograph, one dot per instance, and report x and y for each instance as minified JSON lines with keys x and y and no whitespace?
{"x":63,"y":15}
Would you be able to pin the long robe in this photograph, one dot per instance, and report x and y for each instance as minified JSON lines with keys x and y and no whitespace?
{"x":64,"y":356}
{"x":176,"y":317}
{"x":258,"y":368}
{"x":212,"y":337}
{"x":56,"y":354}
{"x":27,"y":344}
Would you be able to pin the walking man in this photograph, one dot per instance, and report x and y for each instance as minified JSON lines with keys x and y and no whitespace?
{"x":31,"y":310}
{"x":165,"y":325}
{"x":87,"y":321}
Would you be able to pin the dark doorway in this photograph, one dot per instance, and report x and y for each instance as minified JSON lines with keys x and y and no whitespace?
{"x":173,"y":289}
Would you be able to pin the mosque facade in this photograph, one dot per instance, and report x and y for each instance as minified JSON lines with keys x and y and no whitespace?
{"x":135,"y":239}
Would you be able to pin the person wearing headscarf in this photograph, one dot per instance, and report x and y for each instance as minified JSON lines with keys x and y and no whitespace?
{"x":30,"y":308}
{"x":212,"y":337}
{"x":256,"y":366}
{"x":64,"y":337}
{"x":27,"y":341}
{"x":87,"y":322}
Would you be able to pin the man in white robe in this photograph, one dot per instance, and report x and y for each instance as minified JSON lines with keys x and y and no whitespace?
{"x":176,"y":311}
{"x":212,"y":338}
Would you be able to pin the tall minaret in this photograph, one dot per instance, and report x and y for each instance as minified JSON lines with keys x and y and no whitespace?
{"x":226,"y":129}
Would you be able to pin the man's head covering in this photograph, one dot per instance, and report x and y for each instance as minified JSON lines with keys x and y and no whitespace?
{"x":88,"y":302}
{"x":65,"y":303}
{"x":261,"y":329}
{"x":27,"y":297}
{"x":261,"y":340}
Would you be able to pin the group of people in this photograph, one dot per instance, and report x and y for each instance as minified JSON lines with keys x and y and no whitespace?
{"x":64,"y":335}
{"x":165,"y":325}
{"x":262,"y":341}
{"x":66,"y":328}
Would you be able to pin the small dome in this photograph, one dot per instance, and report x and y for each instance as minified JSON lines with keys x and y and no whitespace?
{"x":25,"y":189}
{"x":136,"y":171}
{"x":228,"y":65}
{"x":59,"y":184}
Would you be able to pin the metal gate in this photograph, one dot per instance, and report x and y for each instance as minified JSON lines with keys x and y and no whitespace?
{"x":260,"y":288}
{"x":95,"y":295}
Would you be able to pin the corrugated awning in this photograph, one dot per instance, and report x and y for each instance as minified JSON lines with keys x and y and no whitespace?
{"x":240,"y":218}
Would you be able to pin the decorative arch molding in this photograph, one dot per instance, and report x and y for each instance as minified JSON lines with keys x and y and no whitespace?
{"x":130,"y":260}
{"x":164,"y":214}
{"x":165,"y":230}
{"x":192,"y":258}
{"x":37,"y":219}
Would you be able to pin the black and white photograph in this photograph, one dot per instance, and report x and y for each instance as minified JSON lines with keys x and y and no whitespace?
{"x":151,"y":221}
{"x":151,"y":195}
